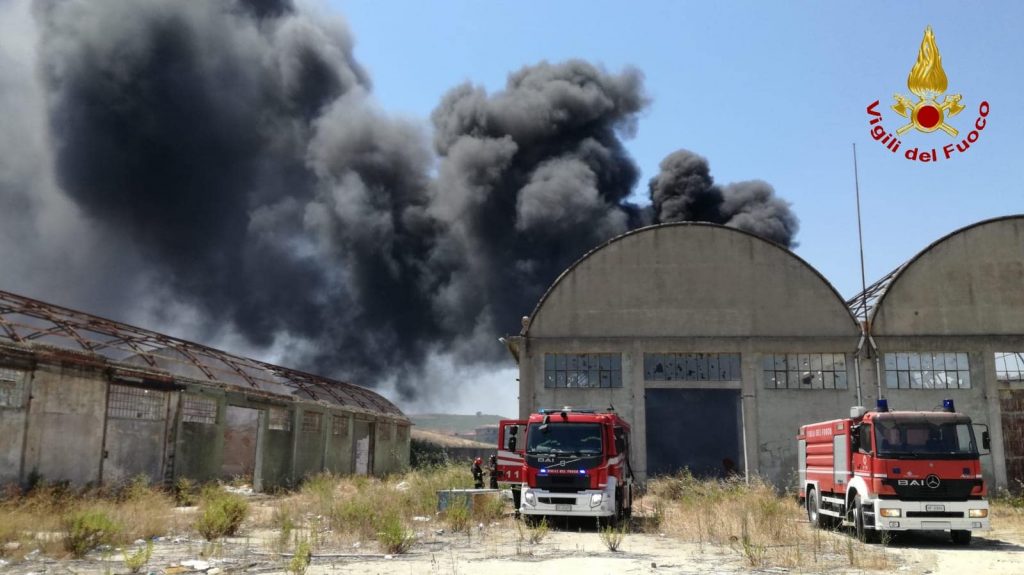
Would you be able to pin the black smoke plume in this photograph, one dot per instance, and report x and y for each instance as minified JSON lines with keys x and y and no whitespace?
{"x":685,"y":191}
{"x":223,"y":162}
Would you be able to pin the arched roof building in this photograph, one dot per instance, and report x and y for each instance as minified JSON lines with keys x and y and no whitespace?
{"x":716,"y":344}
{"x":89,"y":400}
{"x":699,"y":333}
{"x":949,"y":323}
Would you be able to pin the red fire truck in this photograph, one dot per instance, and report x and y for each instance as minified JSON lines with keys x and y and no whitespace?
{"x":569,"y":462}
{"x":894,"y":471}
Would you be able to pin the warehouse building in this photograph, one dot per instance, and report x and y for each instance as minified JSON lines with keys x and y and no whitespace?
{"x":88,"y":400}
{"x":716,"y":344}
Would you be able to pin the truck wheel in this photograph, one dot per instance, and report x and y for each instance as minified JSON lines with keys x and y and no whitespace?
{"x":813,"y":506}
{"x":960,"y":537}
{"x":863,"y":533}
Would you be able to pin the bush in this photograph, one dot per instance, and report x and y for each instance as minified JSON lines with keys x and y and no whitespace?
{"x":221,"y":514}
{"x":300,"y":560}
{"x":456,"y":516}
{"x":136,"y":561}
{"x":87,"y":529}
{"x":393,"y":536}
{"x":612,"y":536}
{"x":186,"y":492}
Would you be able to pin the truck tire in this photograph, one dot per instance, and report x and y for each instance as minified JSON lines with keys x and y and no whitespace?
{"x":960,"y":537}
{"x":863,"y":533}
{"x":814,"y":516}
{"x":629,"y":502}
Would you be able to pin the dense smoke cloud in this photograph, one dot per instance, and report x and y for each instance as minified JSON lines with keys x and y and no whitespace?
{"x":685,"y":191}
{"x":222,"y":166}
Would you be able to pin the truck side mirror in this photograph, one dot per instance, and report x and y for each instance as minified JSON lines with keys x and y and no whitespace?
{"x":986,"y":441}
{"x":855,"y":442}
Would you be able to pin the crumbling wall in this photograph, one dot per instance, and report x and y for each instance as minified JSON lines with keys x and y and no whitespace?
{"x":64,"y":438}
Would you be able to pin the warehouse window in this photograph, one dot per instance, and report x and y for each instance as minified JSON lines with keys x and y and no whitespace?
{"x":12,"y":387}
{"x":339,"y":426}
{"x":126,"y":402}
{"x":927,"y":370}
{"x":403,"y":433}
{"x":198,"y":409}
{"x":804,"y":371}
{"x":280,"y":419}
{"x":384,"y":431}
{"x":582,"y":370}
{"x":692,"y":367}
{"x":1010,"y":366}
{"x":311,"y":422}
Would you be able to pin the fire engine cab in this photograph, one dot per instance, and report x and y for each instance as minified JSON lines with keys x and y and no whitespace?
{"x":570,"y":462}
{"x":887,"y":470}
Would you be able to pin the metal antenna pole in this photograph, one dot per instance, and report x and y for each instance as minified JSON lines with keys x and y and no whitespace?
{"x":863,"y":275}
{"x":860,"y":237}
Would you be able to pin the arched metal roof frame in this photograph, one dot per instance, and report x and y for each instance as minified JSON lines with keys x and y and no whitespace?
{"x":584,"y":257}
{"x":28,"y":321}
{"x":880,"y":289}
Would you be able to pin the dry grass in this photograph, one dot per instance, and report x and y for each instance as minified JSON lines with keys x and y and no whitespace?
{"x":1007,"y":511}
{"x":37,"y":519}
{"x":763,"y":527}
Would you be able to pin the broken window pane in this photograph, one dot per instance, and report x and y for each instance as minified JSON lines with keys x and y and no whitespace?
{"x":279,"y":419}
{"x":129,"y":402}
{"x":311,"y":422}
{"x":198,"y":409}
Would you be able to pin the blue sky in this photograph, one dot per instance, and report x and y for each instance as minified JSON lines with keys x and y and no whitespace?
{"x":772,"y":91}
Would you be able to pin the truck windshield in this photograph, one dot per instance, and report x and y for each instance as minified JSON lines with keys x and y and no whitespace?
{"x":915,"y":439}
{"x":568,"y":438}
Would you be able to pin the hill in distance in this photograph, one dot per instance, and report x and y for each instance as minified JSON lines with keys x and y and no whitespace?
{"x":449,"y":423}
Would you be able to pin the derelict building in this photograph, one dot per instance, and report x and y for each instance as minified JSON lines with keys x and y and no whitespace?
{"x":716,"y":344}
{"x":89,"y":400}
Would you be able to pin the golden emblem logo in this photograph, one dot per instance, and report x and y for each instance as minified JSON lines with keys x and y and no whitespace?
{"x":928,"y":82}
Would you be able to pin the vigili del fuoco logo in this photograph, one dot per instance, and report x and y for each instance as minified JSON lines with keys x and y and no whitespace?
{"x":927,"y":81}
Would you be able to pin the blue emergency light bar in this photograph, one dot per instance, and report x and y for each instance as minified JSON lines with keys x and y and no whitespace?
{"x":882,"y":405}
{"x":947,"y":405}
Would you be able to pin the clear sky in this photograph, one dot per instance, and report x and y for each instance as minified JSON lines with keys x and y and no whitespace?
{"x":765,"y":90}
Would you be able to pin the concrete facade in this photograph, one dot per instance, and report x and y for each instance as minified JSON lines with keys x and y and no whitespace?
{"x":84,"y":418}
{"x":690,"y":290}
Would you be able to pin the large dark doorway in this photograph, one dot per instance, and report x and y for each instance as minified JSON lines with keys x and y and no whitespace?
{"x":697,"y":429}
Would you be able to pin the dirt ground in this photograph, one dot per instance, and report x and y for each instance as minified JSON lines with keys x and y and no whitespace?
{"x":498,"y":549}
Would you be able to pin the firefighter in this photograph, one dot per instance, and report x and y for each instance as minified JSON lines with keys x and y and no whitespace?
{"x":492,"y":470}
{"x":478,"y":473}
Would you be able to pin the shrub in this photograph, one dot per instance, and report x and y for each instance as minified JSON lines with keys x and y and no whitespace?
{"x":456,"y":516}
{"x":534,"y":532}
{"x":355,"y":515}
{"x":301,"y":559}
{"x":221,"y":514}
{"x":87,"y":529}
{"x":612,"y":536}
{"x":393,"y":536}
{"x":136,"y":561}
{"x":186,"y":492}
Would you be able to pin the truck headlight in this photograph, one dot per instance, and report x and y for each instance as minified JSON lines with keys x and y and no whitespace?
{"x":596,"y":499}
{"x":978,"y":513}
{"x":529,"y":498}
{"x":889,"y":512}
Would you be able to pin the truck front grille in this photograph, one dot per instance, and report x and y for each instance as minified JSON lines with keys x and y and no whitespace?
{"x":557,"y":500}
{"x":949,"y":514}
{"x":563,"y":483}
{"x":948,"y":490}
